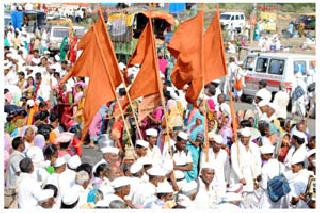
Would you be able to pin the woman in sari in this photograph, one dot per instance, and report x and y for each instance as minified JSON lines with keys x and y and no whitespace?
{"x":226,"y":131}
{"x":194,"y":146}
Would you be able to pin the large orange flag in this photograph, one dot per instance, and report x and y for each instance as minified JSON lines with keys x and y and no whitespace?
{"x":148,"y":79}
{"x":97,"y":61}
{"x":214,"y":51}
{"x":185,"y":46}
{"x":214,"y":59}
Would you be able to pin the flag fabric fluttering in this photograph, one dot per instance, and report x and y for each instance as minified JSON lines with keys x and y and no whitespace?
{"x":91,"y":64}
{"x":214,"y":51}
{"x":147,"y":80}
{"x":185,"y":45}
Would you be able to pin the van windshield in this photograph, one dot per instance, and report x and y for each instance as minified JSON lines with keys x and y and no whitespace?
{"x":300,"y":66}
{"x":225,"y":16}
{"x":60,"y":33}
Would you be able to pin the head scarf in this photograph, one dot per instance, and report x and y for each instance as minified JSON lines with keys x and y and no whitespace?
{"x":39,"y":141}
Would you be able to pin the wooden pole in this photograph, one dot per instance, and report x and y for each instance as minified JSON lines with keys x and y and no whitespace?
{"x":110,"y":80}
{"x":129,"y":97}
{"x":160,"y":87}
{"x":130,"y":102}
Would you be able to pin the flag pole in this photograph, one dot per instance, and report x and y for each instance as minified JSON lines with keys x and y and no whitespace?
{"x":110,"y":81}
{"x":160,"y":87}
{"x":130,"y":102}
{"x":205,"y":129}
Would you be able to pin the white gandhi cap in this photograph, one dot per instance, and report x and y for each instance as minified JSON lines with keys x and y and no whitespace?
{"x":164,"y":188}
{"x":142,"y":143}
{"x":136,"y":167}
{"x":217,"y":138}
{"x":59,"y":162}
{"x":74,"y":162}
{"x":121,"y":181}
{"x":267,"y":149}
{"x":111,"y":150}
{"x":46,"y":194}
{"x":183,"y":136}
{"x":245,"y":132}
{"x":152,"y":132}
{"x":156,"y":171}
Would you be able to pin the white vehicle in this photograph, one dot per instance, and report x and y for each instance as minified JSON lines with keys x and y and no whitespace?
{"x":56,"y":35}
{"x":275,"y":68}
{"x":235,"y":20}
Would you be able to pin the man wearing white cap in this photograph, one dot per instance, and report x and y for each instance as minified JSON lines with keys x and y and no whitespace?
{"x":298,"y":148}
{"x":164,"y":193}
{"x":36,"y":154}
{"x":70,"y":174}
{"x":136,"y":171}
{"x":271,"y":168}
{"x":220,"y":159}
{"x":153,"y":152}
{"x":142,"y":147}
{"x":207,"y":196}
{"x":182,"y":159}
{"x":146,"y":192}
{"x":122,"y":187}
{"x":246,"y":161}
{"x":298,"y":181}
{"x":110,"y":155}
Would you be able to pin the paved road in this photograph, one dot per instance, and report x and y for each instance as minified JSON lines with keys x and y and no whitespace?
{"x":93,"y":156}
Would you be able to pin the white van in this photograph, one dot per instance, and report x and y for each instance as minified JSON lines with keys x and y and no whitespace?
{"x":274,"y":68}
{"x":236,"y":19}
{"x":56,"y":35}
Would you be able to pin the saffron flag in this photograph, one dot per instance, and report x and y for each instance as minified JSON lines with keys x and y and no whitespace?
{"x":185,"y":46}
{"x":97,"y":61}
{"x":147,"y":81}
{"x":214,"y":51}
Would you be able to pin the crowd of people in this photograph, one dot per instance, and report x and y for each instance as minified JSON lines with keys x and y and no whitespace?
{"x":183,"y":167}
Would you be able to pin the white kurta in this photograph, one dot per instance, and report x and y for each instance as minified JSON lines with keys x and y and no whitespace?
{"x":143,"y":194}
{"x":155,"y":155}
{"x":221,"y":162}
{"x":269,"y":171}
{"x":298,"y":184}
{"x":281,"y":99}
{"x":207,"y":199}
{"x":29,"y":191}
{"x":248,"y":165}
{"x":302,"y":151}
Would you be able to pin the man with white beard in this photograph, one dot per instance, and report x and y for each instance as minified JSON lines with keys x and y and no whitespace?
{"x":220,"y":159}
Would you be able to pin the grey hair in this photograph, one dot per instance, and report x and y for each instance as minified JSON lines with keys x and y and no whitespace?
{"x":117,"y":204}
{"x":81,"y":177}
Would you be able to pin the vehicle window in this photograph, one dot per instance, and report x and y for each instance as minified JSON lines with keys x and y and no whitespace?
{"x":225,"y":16}
{"x":60,"y":33}
{"x":276,"y":66}
{"x":232,"y":18}
{"x":262,"y":64}
{"x":312,"y":64}
{"x":300,"y":66}
{"x":79,"y":32}
{"x":249,"y":63}
{"x":242,"y":17}
{"x":237,"y":17}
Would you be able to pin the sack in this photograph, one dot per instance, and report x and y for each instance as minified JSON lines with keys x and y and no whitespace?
{"x":277,"y":187}
{"x":297,"y":93}
{"x":238,"y":84}
{"x":312,"y":87}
